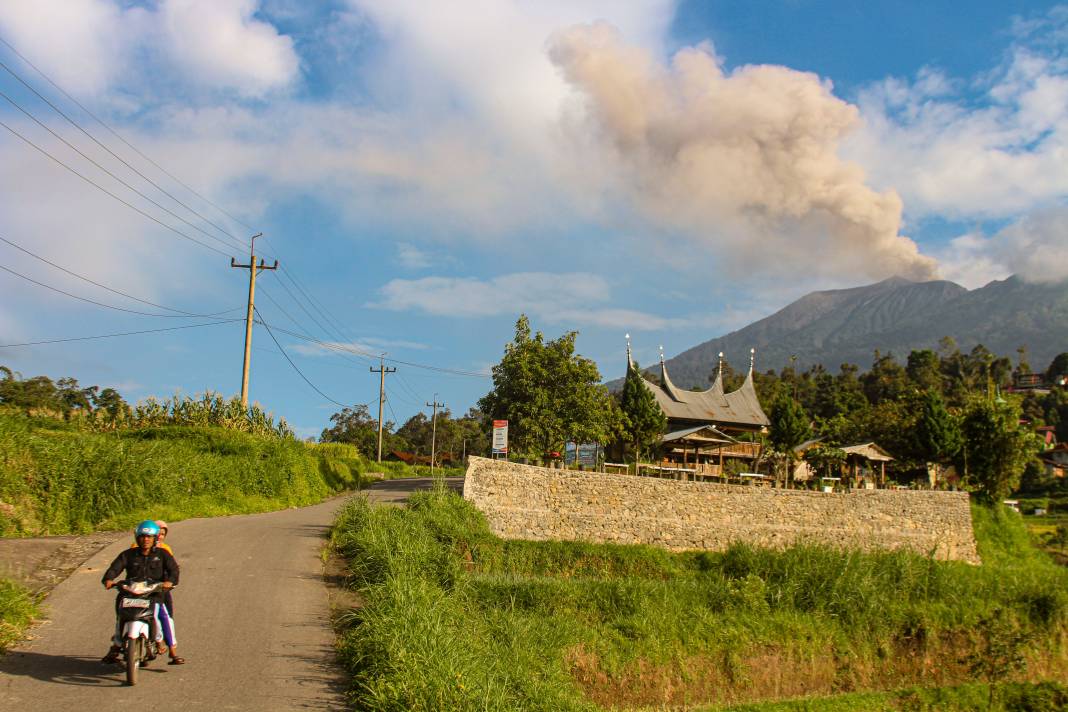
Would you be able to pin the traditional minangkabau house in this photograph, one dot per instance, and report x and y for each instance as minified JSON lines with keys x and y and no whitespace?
{"x":703,"y":427}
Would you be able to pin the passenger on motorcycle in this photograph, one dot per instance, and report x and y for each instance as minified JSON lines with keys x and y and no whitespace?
{"x":146,"y":562}
{"x":166,"y":611}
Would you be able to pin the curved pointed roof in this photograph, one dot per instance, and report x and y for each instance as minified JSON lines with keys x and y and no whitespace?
{"x":740,"y":407}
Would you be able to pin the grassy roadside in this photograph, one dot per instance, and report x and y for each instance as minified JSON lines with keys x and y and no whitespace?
{"x":18,"y":608}
{"x":989,"y":697}
{"x":455,"y":618}
{"x":60,"y":477}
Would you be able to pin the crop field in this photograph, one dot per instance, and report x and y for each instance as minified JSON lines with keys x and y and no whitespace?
{"x":455,"y":618}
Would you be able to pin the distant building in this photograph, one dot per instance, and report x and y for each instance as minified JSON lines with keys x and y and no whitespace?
{"x":1055,"y":460}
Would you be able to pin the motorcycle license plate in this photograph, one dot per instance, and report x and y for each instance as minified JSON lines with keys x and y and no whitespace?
{"x":136,"y":603}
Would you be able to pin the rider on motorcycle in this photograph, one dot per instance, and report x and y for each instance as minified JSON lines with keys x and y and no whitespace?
{"x":146,"y":562}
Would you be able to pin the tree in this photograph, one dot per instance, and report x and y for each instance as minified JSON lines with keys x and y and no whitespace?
{"x":937,"y":432}
{"x":643,"y":420}
{"x":887,"y":380}
{"x":924,"y":370}
{"x":1057,"y":368}
{"x":547,"y":393}
{"x":995,"y":448}
{"x":789,"y":428}
{"x":356,"y":427}
{"x":938,"y":436}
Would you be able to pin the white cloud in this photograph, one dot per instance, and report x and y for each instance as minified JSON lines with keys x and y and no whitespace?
{"x":951,"y":154}
{"x":577,"y":298}
{"x":222,"y":43}
{"x":411,"y":257}
{"x":370,"y":347}
{"x":1034,"y":248}
{"x":91,"y":46}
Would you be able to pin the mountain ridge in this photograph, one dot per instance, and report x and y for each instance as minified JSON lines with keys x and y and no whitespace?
{"x":896,"y":315}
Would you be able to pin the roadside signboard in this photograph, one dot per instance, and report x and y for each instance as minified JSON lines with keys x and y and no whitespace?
{"x":500,"y":437}
{"x":588,"y":454}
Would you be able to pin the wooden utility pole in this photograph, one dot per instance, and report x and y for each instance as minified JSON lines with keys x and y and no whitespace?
{"x":434,"y":431}
{"x":253,"y":269}
{"x":383,"y":370}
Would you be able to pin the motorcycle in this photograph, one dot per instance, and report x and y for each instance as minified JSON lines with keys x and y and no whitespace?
{"x":135,"y":611}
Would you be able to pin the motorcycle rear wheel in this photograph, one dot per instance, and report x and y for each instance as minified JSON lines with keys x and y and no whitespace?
{"x":133,"y":658}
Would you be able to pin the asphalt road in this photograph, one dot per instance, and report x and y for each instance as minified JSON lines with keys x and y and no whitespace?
{"x":251,"y":615}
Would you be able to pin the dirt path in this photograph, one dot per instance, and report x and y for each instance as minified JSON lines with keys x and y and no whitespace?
{"x":251,"y":613}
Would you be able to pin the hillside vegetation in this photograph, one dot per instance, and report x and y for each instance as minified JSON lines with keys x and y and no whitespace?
{"x":456,"y":618}
{"x":60,"y":477}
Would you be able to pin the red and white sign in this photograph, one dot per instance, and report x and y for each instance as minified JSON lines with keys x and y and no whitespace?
{"x":500,"y":437}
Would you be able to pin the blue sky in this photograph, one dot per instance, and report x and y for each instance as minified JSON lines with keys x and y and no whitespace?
{"x":427,"y":171}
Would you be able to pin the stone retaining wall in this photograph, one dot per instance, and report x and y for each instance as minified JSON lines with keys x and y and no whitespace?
{"x":524,"y":502}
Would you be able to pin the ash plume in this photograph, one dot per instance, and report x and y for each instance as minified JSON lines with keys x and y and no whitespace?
{"x":744,"y":160}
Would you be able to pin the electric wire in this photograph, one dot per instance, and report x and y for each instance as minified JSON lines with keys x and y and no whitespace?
{"x":123,"y":333}
{"x":350,"y":349}
{"x":114,"y":133}
{"x":103,"y":304}
{"x":116,"y":197}
{"x":77,"y":150}
{"x":110,"y":289}
{"x":295,"y":367}
{"x":115,"y":155}
{"x":323,"y":312}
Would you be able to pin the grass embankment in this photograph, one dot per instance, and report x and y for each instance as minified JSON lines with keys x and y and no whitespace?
{"x":18,"y":608}
{"x":60,"y":477}
{"x":455,"y":618}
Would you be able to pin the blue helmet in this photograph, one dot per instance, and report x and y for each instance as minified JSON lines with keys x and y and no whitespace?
{"x":147,"y":528}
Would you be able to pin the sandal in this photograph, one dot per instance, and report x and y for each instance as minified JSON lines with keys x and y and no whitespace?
{"x":112,"y":656}
{"x":177,"y":660}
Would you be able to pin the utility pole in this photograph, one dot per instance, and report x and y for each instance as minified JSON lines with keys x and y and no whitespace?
{"x":434,"y":431}
{"x":383,"y":370}
{"x":253,"y":269}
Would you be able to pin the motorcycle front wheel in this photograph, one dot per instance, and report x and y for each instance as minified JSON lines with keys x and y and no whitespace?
{"x":133,"y":658}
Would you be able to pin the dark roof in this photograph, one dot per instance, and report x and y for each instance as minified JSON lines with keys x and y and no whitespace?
{"x":738,"y":408}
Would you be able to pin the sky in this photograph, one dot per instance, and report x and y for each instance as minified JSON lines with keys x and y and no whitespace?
{"x":426,"y":172}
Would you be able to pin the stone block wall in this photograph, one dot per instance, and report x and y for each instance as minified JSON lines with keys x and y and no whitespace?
{"x":524,"y":502}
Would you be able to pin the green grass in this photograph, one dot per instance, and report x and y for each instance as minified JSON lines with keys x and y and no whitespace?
{"x":18,"y":608}
{"x":395,"y":470}
{"x":458,"y":619}
{"x":60,"y":477}
{"x":995,"y":697}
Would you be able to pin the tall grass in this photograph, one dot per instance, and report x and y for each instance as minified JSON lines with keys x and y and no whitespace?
{"x":18,"y":608}
{"x":456,"y":618}
{"x":60,"y":477}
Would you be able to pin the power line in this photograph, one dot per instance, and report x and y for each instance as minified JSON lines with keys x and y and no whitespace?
{"x":105,"y":190}
{"x":113,"y":154}
{"x":124,"y":333}
{"x":100,"y":121}
{"x":349,"y":349}
{"x":102,"y":304}
{"x":120,"y":180}
{"x":104,"y":286}
{"x":295,"y":368}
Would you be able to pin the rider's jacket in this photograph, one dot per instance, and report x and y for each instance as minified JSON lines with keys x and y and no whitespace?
{"x":156,"y":565}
